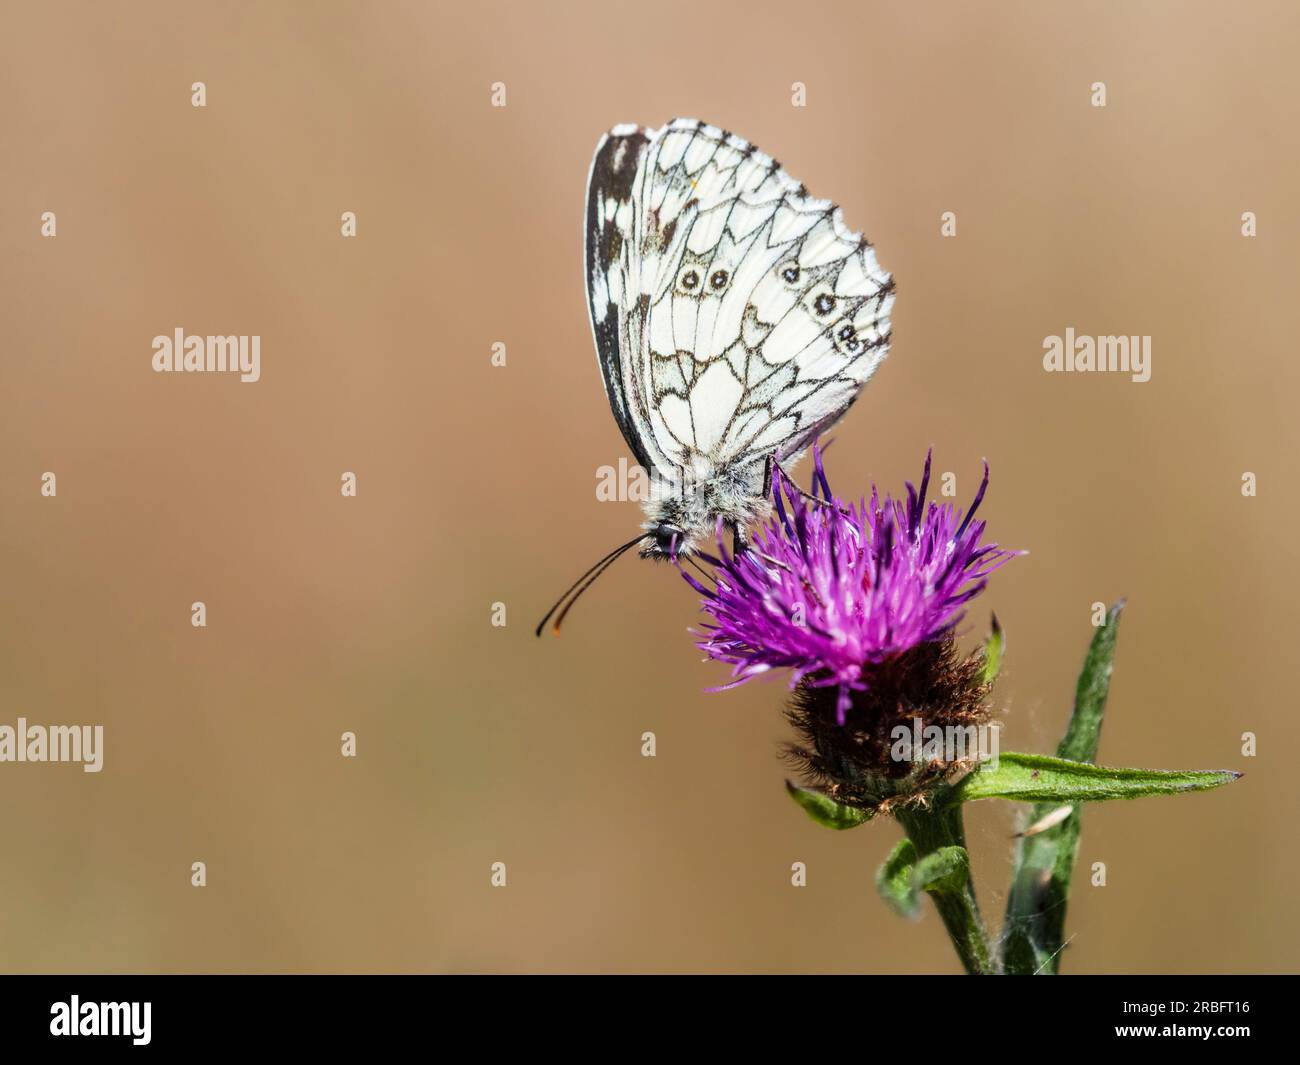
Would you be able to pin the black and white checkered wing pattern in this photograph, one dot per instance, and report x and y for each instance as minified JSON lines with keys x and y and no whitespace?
{"x":734,"y":314}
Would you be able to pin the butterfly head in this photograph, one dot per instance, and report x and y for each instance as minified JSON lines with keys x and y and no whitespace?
{"x":664,"y":539}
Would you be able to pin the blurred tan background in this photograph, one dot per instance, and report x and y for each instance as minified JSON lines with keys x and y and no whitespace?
{"x":476,"y":485}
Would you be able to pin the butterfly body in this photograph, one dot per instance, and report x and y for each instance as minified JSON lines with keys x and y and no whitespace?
{"x":682,"y":515}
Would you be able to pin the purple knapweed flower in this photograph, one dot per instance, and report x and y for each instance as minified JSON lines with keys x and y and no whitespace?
{"x":830,"y":591}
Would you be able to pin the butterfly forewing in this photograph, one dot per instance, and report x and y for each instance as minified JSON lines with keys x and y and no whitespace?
{"x":611,"y":282}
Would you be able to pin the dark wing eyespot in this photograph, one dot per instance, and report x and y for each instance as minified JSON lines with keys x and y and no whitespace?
{"x":688,"y":280}
{"x":846,"y":340}
{"x":790,"y":273}
{"x":719,"y":280}
{"x":824,"y":304}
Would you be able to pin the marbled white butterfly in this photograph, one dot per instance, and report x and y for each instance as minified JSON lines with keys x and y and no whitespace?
{"x":735,"y":319}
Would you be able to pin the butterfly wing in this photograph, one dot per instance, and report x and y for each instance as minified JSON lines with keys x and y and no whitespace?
{"x":756,"y":314}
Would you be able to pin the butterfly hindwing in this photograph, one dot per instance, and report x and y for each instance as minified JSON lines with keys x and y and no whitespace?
{"x":749,"y":316}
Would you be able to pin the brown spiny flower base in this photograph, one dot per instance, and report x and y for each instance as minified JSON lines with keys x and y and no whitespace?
{"x":852,"y":762}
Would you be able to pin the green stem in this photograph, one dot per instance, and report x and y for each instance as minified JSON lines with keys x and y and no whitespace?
{"x":929,"y":830}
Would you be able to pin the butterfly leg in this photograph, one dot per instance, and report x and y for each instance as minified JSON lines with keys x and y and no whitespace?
{"x":739,"y":540}
{"x":774,"y":464}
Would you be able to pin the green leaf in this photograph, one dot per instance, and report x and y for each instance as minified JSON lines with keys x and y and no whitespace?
{"x":1083,"y":733}
{"x":1044,"y":863}
{"x":1039,"y":778}
{"x":994,"y":647}
{"x":895,"y":883}
{"x":942,"y":872}
{"x":825,"y":810}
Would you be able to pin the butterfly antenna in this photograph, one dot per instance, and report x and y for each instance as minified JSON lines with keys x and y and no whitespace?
{"x":589,"y":578}
{"x":700,"y":569}
{"x":559,"y":619}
